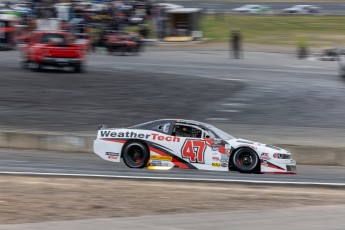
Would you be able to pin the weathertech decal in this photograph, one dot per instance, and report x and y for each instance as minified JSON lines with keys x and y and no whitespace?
{"x":113,"y":134}
{"x":128,"y":134}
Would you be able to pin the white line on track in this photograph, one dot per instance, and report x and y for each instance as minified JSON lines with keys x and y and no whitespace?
{"x":305,"y":66}
{"x":234,"y":104}
{"x":229,"y":110}
{"x":174,"y":178}
{"x":217,"y":119}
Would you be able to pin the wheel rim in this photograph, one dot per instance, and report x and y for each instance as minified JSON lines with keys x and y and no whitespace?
{"x":246,"y":160}
{"x":135,"y":156}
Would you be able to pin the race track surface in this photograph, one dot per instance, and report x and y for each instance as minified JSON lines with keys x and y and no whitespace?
{"x":264,"y":89}
{"x":75,"y":163}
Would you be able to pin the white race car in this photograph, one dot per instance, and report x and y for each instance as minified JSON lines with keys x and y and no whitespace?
{"x":302,"y":9}
{"x":168,"y":143}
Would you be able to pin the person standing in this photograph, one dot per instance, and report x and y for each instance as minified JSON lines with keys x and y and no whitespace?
{"x":236,"y":39}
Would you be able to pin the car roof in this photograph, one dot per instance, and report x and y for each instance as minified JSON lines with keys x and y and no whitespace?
{"x":181,"y":121}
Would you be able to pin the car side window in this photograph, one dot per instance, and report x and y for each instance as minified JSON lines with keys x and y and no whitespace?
{"x":210,"y":134}
{"x":186,"y":131}
{"x":163,"y":127}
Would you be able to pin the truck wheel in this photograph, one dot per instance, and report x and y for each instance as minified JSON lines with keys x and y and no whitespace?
{"x":78,"y":68}
{"x":123,"y":50}
{"x":36,"y":66}
{"x":24,"y":64}
{"x":135,"y":155}
{"x":111,"y":51}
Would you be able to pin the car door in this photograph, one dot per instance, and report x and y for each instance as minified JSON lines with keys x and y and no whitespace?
{"x":197,"y":147}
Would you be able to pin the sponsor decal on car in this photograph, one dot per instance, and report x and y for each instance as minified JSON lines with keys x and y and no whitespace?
{"x":156,"y":136}
{"x":265,"y":156}
{"x":215,"y":158}
{"x":216,"y":164}
{"x":224,"y":165}
{"x":113,"y":134}
{"x":215,"y":147}
{"x":162,"y":158}
{"x":158,"y":163}
{"x":224,"y":158}
{"x":112,"y":155}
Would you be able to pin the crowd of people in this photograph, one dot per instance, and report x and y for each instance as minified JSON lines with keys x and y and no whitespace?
{"x":91,"y":17}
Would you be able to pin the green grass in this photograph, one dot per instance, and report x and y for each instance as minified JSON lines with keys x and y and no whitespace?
{"x":278,"y":30}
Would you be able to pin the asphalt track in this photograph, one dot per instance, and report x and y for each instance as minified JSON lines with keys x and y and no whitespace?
{"x":264,"y":89}
{"x":70,"y":164}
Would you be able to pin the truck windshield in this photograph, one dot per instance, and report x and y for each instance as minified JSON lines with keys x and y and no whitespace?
{"x":54,"y":39}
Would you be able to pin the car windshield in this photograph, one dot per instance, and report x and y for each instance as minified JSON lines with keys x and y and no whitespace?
{"x":220,"y":133}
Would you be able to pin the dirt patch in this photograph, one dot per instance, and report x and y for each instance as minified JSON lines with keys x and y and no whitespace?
{"x":35,"y":199}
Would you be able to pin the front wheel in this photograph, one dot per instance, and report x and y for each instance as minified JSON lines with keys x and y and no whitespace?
{"x":36,"y":66}
{"x":135,"y":155}
{"x":245,"y":160}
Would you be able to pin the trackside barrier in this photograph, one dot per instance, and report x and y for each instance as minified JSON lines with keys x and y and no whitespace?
{"x":72,"y":142}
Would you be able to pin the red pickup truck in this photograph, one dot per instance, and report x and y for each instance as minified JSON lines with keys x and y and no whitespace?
{"x":53,"y":48}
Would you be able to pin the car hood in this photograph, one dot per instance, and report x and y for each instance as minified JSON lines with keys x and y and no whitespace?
{"x":257,"y":146}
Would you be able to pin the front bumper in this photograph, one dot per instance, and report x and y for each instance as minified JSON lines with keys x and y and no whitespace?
{"x":61,"y":62}
{"x":279,"y":166}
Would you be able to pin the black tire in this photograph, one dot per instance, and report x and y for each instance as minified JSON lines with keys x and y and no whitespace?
{"x":135,"y":155}
{"x":78,"y":68}
{"x":36,"y":66}
{"x":245,"y":160}
{"x":24,"y":64}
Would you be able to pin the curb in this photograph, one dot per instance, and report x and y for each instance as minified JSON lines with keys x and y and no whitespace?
{"x":83,"y":143}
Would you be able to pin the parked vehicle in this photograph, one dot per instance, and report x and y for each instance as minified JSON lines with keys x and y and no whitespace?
{"x":169,"y":6}
{"x":302,"y":9}
{"x":252,"y":9}
{"x":53,"y":48}
{"x":122,"y":43}
{"x":7,"y":31}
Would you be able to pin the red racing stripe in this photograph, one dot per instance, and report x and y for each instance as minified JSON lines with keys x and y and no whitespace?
{"x":114,"y":140}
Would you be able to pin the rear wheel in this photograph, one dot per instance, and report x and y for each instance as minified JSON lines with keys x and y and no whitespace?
{"x":245,"y":160}
{"x":135,"y":155}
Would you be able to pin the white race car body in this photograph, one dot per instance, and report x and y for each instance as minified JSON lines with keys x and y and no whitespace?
{"x":168,"y":147}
